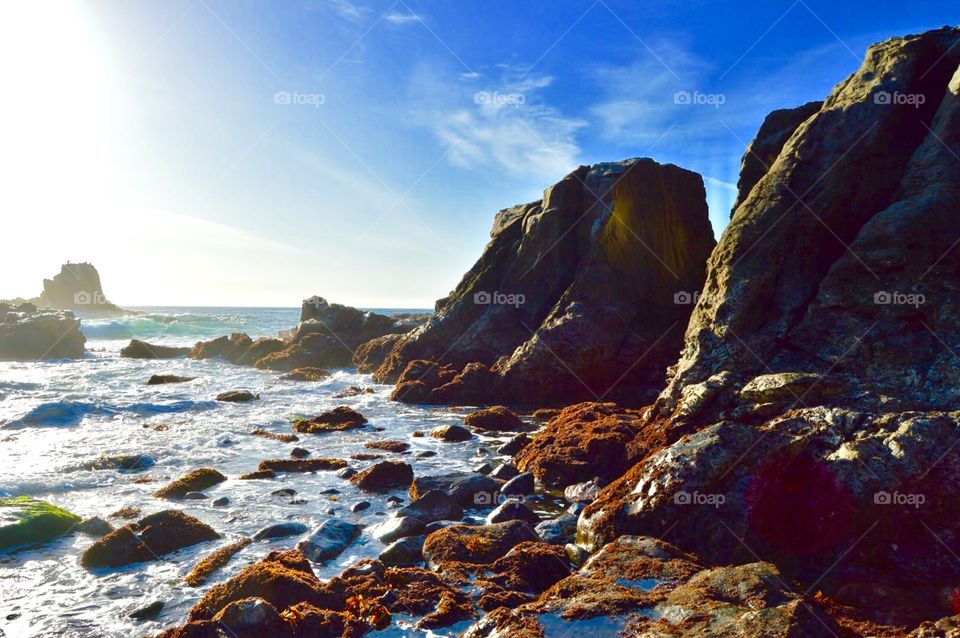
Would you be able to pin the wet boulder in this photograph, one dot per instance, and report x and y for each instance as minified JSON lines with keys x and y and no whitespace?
{"x":495,"y":419}
{"x":26,"y":521}
{"x":137,"y":349}
{"x":194,"y":481}
{"x":336,"y":420}
{"x":329,"y":540}
{"x":477,"y":544}
{"x":147,"y":539}
{"x":385,"y":475}
{"x":466,"y":488}
{"x":434,"y":505}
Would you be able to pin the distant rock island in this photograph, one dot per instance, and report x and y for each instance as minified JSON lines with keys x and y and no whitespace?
{"x":76,"y":287}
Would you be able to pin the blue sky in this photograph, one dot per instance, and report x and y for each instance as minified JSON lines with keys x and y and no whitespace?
{"x":252,"y":153}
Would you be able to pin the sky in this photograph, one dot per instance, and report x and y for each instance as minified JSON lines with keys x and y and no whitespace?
{"x":203,"y":152}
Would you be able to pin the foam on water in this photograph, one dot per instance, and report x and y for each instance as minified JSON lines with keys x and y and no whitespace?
{"x":59,"y":416}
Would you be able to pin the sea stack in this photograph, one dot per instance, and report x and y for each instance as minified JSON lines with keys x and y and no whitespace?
{"x":581,"y":295}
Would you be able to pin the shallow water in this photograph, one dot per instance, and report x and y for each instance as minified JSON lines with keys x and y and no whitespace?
{"x":56,"y":416}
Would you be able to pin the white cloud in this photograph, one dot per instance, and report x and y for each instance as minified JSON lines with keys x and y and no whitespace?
{"x":396,"y":17}
{"x":507,"y":126}
{"x":348,"y":10}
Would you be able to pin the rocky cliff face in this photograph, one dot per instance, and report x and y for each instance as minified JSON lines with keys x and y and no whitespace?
{"x":810,"y":419}
{"x":76,"y":287}
{"x":582,"y":294}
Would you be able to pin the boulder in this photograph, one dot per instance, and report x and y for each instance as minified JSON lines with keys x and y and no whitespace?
{"x":383,"y":476}
{"x":451,"y":433}
{"x":514,"y":445}
{"x":147,"y":539}
{"x":40,"y":334}
{"x":336,"y":420}
{"x":465,"y":488}
{"x":194,"y":481}
{"x":252,"y":616}
{"x":280,"y":530}
{"x":396,"y":528}
{"x":495,"y":419}
{"x":571,"y":293}
{"x":559,"y":530}
{"x":477,"y":544}
{"x":301,"y":465}
{"x":404,"y":552}
{"x":329,"y":540}
{"x":27,"y":521}
{"x":582,"y":442}
{"x":512,"y":510}
{"x":137,"y":349}
{"x":329,"y":335}
{"x":519,"y":486}
{"x":306,"y":374}
{"x":433,"y":505}
{"x":94,"y":526}
{"x":162,"y":379}
{"x":237,"y":396}
{"x":238,"y":349}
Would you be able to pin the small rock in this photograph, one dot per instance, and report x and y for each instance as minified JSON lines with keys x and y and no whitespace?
{"x":359,"y":507}
{"x":237,"y":396}
{"x":451,"y":433}
{"x":330,"y":490}
{"x":505,"y":471}
{"x":514,"y":445}
{"x":94,"y":526}
{"x":192,"y":482}
{"x":286,"y":491}
{"x":519,"y":485}
{"x":558,"y":531}
{"x":329,"y":540}
{"x":426,"y":454}
{"x":405,"y":552}
{"x":161,"y":379}
{"x":148,"y":611}
{"x":251,"y":616}
{"x":297,"y":501}
{"x":585,"y":492}
{"x":223,"y":501}
{"x":512,"y":510}
{"x":280,"y":530}
{"x":435,"y":505}
{"x":577,"y":555}
{"x":394,"y":501}
{"x":258,"y":474}
{"x":195,"y":496}
{"x":336,"y":420}
{"x":306,"y":374}
{"x":347,"y":472}
{"x":299,"y":453}
{"x":397,"y":528}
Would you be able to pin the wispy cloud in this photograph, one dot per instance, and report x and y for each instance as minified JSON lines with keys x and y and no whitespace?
{"x":351,"y":11}
{"x":507,"y":125}
{"x":400,"y":18}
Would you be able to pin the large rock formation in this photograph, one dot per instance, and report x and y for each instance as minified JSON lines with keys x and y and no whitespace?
{"x":809,"y":419}
{"x":27,"y":333}
{"x":328,"y":336}
{"x":76,"y":287}
{"x":583,"y":294}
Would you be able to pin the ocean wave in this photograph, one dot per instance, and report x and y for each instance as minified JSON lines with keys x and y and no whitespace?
{"x":67,"y":413}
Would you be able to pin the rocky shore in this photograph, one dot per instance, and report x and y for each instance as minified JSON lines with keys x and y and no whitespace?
{"x":755,"y":438}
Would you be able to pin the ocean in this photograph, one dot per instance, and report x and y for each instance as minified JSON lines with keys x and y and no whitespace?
{"x":56,"y":417}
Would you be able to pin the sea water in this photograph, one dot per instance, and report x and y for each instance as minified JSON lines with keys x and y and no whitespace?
{"x":56,"y":416}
